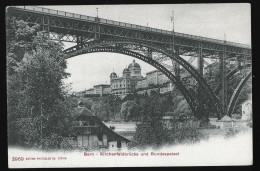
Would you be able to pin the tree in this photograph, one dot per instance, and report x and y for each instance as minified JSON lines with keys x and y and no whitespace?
{"x":183,"y":108}
{"x":150,"y":132}
{"x":87,"y":102}
{"x":128,"y":110}
{"x":177,"y":100}
{"x":213,"y":77}
{"x":37,"y":108}
{"x":19,"y":38}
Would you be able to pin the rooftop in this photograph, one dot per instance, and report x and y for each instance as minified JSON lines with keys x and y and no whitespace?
{"x":90,"y":89}
{"x":106,"y":85}
{"x":82,"y":111}
{"x":134,"y":64}
{"x":153,"y":71}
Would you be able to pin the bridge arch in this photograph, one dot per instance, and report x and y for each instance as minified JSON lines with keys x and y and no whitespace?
{"x":229,"y":75}
{"x":117,"y":45}
{"x":189,"y":98}
{"x":235,"y":95}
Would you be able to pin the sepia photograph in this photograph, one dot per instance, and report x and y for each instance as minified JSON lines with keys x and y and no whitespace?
{"x":144,"y":85}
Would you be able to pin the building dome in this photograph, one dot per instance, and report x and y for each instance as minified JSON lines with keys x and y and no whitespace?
{"x":134,"y":64}
{"x":126,"y":70}
{"x":113,"y":75}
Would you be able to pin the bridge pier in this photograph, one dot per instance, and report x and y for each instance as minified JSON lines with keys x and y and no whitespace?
{"x":200,"y":61}
{"x":204,"y":115}
{"x":223,"y":81}
{"x":176,"y":66}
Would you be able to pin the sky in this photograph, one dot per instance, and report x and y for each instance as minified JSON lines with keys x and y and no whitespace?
{"x":207,"y":20}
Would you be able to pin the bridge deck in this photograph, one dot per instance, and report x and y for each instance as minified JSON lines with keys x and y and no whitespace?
{"x":127,"y":25}
{"x":155,"y":35}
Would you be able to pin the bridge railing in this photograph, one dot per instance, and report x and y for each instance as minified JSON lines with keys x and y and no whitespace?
{"x":127,"y":25}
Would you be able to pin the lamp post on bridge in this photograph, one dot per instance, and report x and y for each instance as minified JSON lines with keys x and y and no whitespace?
{"x":97,"y":28}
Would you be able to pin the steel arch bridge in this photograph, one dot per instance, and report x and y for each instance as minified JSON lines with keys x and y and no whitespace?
{"x":154,"y":46}
{"x":134,"y":47}
{"x":190,"y":99}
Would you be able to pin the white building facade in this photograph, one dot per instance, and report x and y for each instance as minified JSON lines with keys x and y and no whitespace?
{"x":247,"y":110}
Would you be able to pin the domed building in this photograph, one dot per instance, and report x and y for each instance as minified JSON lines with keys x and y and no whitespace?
{"x":132,"y":81}
{"x":113,"y":75}
{"x":135,"y":69}
{"x":126,"y":84}
{"x":126,"y":72}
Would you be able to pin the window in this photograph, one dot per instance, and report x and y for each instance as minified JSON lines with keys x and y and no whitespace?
{"x":119,"y":144}
{"x":100,"y":136}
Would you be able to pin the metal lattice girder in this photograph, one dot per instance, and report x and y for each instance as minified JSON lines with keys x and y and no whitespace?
{"x":108,"y":43}
{"x":236,"y":93}
{"x":75,"y":24}
{"x":63,"y":37}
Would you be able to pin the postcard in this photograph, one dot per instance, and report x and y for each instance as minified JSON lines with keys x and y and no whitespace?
{"x":129,"y":85}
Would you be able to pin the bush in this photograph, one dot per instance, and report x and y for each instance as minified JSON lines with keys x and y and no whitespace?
{"x":232,"y":132}
{"x":28,"y":132}
{"x":68,"y":143}
{"x":52,"y":143}
{"x":186,"y":135}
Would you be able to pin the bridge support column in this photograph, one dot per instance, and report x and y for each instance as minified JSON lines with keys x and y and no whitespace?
{"x":200,"y":61}
{"x":79,"y":40}
{"x":244,"y":65}
{"x":239,"y":62}
{"x":46,"y":26}
{"x":150,"y":53}
{"x":176,"y":66}
{"x":97,"y":29}
{"x":203,"y":114}
{"x":223,"y":81}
